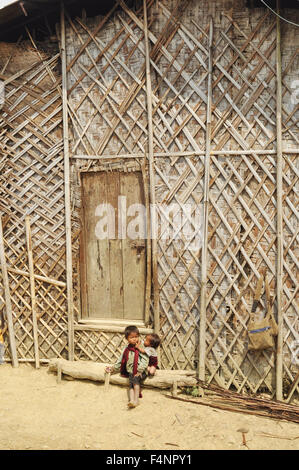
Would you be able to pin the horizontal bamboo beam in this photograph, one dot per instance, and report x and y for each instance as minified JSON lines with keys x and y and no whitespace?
{"x":38,"y":277}
{"x":23,"y":359}
{"x":110,"y":329}
{"x":105,"y":157}
{"x":186,"y":154}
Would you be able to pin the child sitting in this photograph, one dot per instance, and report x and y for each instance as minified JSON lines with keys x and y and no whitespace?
{"x":133,"y":364}
{"x":151,"y":343}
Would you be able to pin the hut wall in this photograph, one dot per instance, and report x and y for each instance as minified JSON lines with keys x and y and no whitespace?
{"x":32,"y":183}
{"x":107,"y":109}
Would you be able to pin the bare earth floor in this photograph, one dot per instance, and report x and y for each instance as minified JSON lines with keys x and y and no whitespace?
{"x":38,"y":413}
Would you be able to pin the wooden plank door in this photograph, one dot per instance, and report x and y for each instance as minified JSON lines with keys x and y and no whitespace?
{"x":113,"y":246}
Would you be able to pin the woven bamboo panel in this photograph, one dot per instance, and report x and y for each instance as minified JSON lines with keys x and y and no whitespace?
{"x":242,"y":229}
{"x":92,"y":345}
{"x":290,"y":281}
{"x":244,"y":83}
{"x":244,"y":93}
{"x":179,"y":242}
{"x":241,"y":244}
{"x":31,"y":183}
{"x":179,"y":63}
{"x":290,"y":118}
{"x":106,"y":81}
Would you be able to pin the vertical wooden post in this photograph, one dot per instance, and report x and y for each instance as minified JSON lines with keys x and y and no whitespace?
{"x":151,"y":174}
{"x":32,"y":291}
{"x":279,"y":194}
{"x":59,"y":373}
{"x":69,"y":275}
{"x":147,"y":302}
{"x":11,"y":333}
{"x":204,"y":250}
{"x":107,"y":381}
{"x":175,"y":389}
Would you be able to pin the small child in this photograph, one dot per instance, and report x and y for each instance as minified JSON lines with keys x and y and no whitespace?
{"x":133,"y":364}
{"x":151,"y":343}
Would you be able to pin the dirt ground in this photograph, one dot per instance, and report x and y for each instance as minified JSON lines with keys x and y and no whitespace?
{"x":38,"y":413}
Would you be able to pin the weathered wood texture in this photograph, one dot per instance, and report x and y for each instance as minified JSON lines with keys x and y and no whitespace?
{"x":114,"y":268}
{"x":108,"y":117}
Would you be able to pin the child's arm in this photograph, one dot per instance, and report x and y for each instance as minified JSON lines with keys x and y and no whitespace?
{"x":139,"y":347}
{"x":116,"y":366}
{"x":142,"y":363}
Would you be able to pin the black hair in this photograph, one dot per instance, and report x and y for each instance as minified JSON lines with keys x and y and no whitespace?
{"x":131,"y":329}
{"x":155,"y":340}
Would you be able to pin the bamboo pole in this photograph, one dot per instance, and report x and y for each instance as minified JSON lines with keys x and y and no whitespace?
{"x":54,"y":282}
{"x":223,"y":152}
{"x":59,"y":374}
{"x":147,"y":303}
{"x":151,"y":174}
{"x":69,"y":280}
{"x":204,"y":250}
{"x":279,"y":194}
{"x":11,"y":333}
{"x":109,"y":328}
{"x":107,"y":380}
{"x":32,"y":291}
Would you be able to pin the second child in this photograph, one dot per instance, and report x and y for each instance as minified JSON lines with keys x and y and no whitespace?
{"x":149,"y":347}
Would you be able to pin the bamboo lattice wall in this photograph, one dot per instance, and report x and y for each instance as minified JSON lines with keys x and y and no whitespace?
{"x":224,"y":69}
{"x":32,"y":184}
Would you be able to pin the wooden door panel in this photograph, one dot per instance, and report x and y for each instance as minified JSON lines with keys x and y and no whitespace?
{"x":115,"y":250}
{"x":97,"y":287}
{"x":114,"y":267}
{"x":133,"y":255}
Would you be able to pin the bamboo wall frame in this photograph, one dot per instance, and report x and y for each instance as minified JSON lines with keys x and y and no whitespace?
{"x":175,"y":169}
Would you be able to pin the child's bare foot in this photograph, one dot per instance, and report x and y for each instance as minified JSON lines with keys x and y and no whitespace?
{"x":133,"y":404}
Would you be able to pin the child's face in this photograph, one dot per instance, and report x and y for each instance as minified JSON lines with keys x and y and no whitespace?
{"x":133,"y":338}
{"x":147,"y":341}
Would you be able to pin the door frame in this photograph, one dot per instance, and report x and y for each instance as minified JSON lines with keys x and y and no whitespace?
{"x":145,"y":325}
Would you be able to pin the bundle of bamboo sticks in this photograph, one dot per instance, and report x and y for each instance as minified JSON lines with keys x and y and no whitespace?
{"x":232,"y":401}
